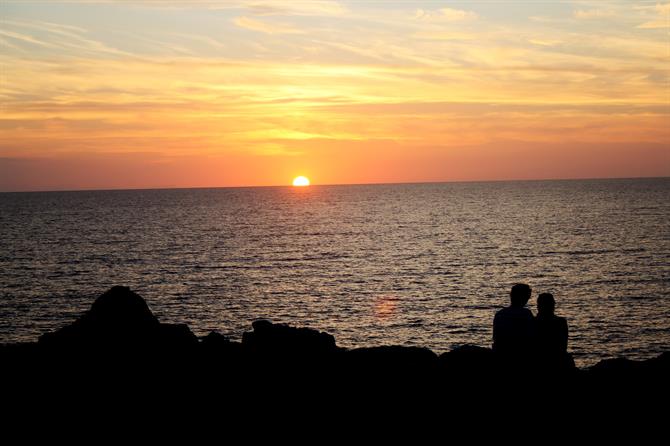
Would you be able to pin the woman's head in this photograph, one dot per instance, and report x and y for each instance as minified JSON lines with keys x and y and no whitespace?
{"x":546,"y":303}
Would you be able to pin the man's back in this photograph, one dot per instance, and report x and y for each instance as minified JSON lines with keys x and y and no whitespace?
{"x":513,"y":330}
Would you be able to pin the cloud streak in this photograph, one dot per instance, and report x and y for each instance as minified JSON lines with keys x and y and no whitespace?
{"x":265,"y":27}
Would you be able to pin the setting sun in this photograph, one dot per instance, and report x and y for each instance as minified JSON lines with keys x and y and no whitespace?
{"x":301,"y":181}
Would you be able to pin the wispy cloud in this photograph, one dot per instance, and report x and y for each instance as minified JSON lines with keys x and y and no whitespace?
{"x":458,"y":14}
{"x":256,"y":7}
{"x":265,"y":27}
{"x":661,"y":19}
{"x":56,"y":28}
{"x":545,"y":42}
{"x":446,"y":15}
{"x":588,"y":14}
{"x":296,"y":7}
{"x":26,"y":38}
{"x":54,"y":36}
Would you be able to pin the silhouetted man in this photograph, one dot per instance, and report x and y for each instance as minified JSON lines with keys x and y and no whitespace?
{"x":513,"y":326}
{"x":551,"y":333}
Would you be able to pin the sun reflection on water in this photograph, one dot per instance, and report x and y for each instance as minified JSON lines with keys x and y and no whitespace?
{"x":385,"y":307}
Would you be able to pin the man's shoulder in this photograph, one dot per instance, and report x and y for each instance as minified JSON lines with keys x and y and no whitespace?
{"x":514,"y":311}
{"x":527,"y":314}
{"x":502,"y":312}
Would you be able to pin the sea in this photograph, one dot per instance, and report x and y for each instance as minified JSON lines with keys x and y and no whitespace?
{"x":390,"y":264}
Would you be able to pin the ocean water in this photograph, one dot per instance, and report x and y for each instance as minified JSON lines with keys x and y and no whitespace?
{"x":408,"y":264}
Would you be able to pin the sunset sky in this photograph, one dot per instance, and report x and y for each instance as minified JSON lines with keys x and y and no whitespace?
{"x":120,"y":94}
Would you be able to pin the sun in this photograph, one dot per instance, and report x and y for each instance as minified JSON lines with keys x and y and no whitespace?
{"x":301,"y":181}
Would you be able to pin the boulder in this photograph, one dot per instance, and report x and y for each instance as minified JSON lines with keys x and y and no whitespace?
{"x":467,"y":359}
{"x":215,"y":340}
{"x":391,"y":360}
{"x":119,"y":318}
{"x":218,"y":347}
{"x":281,"y":339}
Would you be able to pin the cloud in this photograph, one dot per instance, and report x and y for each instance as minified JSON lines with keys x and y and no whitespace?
{"x":64,"y":38}
{"x":592,"y":14}
{"x":446,"y":14}
{"x":662,"y":10}
{"x":25,"y":38}
{"x":296,"y":7}
{"x":256,"y":7}
{"x":56,"y":28}
{"x":659,"y":8}
{"x":443,"y":35}
{"x":264,"y":27}
{"x":655,"y":24}
{"x":545,"y":42}
{"x":458,"y":14}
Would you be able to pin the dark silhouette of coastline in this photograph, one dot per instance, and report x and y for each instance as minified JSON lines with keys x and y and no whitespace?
{"x":120,"y":346}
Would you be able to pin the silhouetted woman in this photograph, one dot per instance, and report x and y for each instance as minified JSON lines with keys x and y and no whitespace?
{"x":551,"y":334}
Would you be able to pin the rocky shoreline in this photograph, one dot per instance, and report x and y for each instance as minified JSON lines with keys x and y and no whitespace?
{"x":120,"y":334}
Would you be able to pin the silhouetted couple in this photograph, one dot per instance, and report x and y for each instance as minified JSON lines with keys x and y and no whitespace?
{"x":521,"y":339}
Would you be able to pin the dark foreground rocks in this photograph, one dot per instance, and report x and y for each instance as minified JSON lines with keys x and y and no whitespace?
{"x":120,"y":347}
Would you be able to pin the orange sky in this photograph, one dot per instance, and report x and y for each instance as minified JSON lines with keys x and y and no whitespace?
{"x":115,"y":94}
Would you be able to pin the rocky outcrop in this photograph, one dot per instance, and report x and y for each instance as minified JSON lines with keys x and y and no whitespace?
{"x":467,"y":360}
{"x":120,"y":319}
{"x":622,"y":369}
{"x":121,"y":326}
{"x":281,"y":339}
{"x":391,"y":360}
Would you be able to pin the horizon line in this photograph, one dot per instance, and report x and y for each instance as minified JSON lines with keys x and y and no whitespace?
{"x":331,"y":184}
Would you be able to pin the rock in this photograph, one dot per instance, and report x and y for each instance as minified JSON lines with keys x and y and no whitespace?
{"x":175,"y":336}
{"x":119,"y":318}
{"x":218,"y":347}
{"x":391,"y":359}
{"x":281,"y":339}
{"x":215,"y":339}
{"x":615,"y":368}
{"x":659,"y":365}
{"x":120,"y":306}
{"x":467,"y":359}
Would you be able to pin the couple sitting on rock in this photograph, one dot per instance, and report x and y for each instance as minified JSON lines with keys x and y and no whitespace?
{"x":523,"y":339}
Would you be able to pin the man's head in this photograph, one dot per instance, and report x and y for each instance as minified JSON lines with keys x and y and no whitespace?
{"x":546,"y":304}
{"x":520,"y":294}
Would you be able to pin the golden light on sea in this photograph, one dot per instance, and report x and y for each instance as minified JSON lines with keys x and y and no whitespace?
{"x":384,"y":307}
